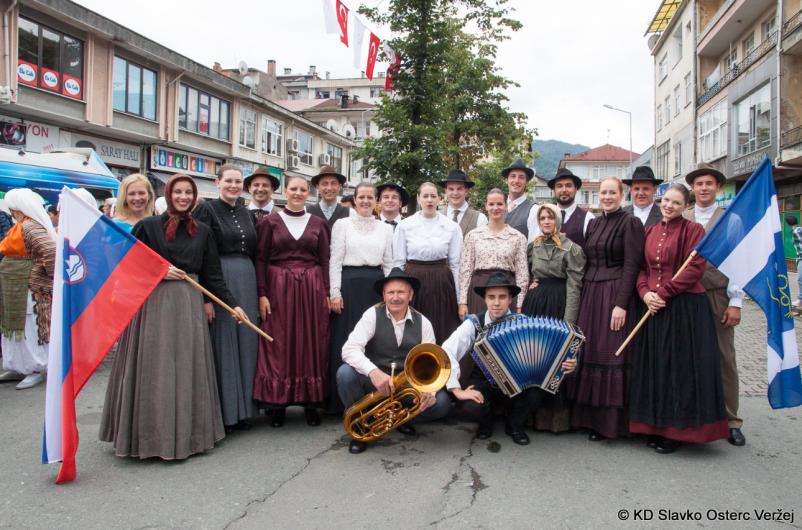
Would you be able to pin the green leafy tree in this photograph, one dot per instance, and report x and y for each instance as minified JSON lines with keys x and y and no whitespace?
{"x":488,"y":175}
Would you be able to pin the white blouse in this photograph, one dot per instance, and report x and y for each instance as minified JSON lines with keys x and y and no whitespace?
{"x":418,"y":238}
{"x":359,"y":242}
{"x":295,"y":225}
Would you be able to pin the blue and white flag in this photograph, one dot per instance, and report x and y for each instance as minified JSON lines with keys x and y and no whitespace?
{"x":746,"y":244}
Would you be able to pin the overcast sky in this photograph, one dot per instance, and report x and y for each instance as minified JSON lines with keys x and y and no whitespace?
{"x":570,"y":58}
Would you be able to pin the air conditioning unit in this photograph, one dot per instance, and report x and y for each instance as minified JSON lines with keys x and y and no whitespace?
{"x":293,"y":146}
{"x":325,"y":159}
{"x":293,"y":162}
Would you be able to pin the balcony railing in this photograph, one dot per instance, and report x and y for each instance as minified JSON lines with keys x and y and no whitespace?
{"x":792,"y":137}
{"x":763,"y":48}
{"x":792,"y":24}
{"x":720,"y":13}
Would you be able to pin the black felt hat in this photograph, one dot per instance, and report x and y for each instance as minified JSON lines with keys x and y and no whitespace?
{"x":262,"y":172}
{"x":519,"y":164}
{"x":564,"y":173}
{"x":457,"y":176}
{"x":498,"y":279}
{"x":396,"y":274}
{"x":642,"y":174}
{"x":393,"y":186}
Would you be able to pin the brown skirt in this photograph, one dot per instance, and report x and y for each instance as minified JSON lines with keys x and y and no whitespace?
{"x":161,"y":398}
{"x":437,"y":299}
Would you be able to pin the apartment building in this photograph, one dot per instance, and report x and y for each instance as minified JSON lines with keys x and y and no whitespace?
{"x":592,"y":166}
{"x":311,"y":86}
{"x":84,"y":80}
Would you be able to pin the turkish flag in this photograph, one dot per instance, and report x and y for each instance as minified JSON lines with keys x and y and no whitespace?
{"x":342,"y":19}
{"x":373,"y":52}
{"x":388,"y":83}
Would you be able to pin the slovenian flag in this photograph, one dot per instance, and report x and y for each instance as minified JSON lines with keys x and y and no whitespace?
{"x":102,"y":276}
{"x":746,"y":244}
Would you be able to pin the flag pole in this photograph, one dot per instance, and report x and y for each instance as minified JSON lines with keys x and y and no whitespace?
{"x":213,"y":297}
{"x":649,"y":313}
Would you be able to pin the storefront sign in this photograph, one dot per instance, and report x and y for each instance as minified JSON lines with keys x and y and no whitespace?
{"x":725,"y":195}
{"x":176,"y":161}
{"x":111,"y":152}
{"x":246,"y":167}
{"x":36,"y":137}
{"x":748,"y":164}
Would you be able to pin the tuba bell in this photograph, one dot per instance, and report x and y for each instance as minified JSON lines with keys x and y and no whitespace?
{"x":426,"y":369}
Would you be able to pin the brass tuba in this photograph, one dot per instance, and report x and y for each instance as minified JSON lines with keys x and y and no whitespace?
{"x":426,"y":369}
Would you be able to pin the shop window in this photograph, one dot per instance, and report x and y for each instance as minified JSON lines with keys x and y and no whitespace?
{"x":50,"y":59}
{"x":203,"y":113}
{"x":134,"y":89}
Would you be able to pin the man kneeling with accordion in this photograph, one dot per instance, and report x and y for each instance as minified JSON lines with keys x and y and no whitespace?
{"x":518,"y":359}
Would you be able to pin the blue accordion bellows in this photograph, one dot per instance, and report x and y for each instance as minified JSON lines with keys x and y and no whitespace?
{"x":518,"y":352}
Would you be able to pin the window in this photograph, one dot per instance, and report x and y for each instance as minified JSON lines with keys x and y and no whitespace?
{"x":376,"y":92}
{"x":50,"y":59}
{"x":769,"y":26}
{"x":247,"y":128}
{"x":659,"y":117}
{"x":688,"y":89}
{"x":134,"y":89}
{"x":600,"y":172}
{"x":594,"y":197}
{"x":336,"y":154}
{"x":677,"y":105}
{"x":663,"y":67}
{"x":677,"y":42}
{"x":580,"y":171}
{"x":749,"y":45}
{"x":754,"y":121}
{"x":542,"y":193}
{"x":367,"y":128}
{"x":668,"y":110}
{"x":731,"y":60}
{"x":677,"y":159}
{"x":713,"y":132}
{"x":306,"y":150}
{"x":662,"y":160}
{"x":271,"y":137}
{"x":203,"y":113}
{"x":323,"y":94}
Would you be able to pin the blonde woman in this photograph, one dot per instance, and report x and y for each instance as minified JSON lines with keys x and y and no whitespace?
{"x":135,"y":200}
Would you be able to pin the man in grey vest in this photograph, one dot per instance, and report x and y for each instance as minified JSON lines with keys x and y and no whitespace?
{"x":725,"y":297}
{"x":643,"y":186}
{"x":457,"y":186}
{"x":328,"y":184}
{"x":384,"y":335}
{"x":521,"y":213}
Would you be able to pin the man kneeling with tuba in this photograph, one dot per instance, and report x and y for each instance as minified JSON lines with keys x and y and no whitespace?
{"x":381,"y":338}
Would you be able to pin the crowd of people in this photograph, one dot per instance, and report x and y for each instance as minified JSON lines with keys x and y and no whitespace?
{"x":346,"y":289}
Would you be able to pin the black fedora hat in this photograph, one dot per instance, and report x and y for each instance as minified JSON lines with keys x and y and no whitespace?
{"x":642,"y":174}
{"x":564,"y":173}
{"x":457,"y":176}
{"x":498,"y":279}
{"x":705,"y":169}
{"x":393,"y":186}
{"x":262,"y":172}
{"x":519,"y":164}
{"x":328,"y":171}
{"x":396,"y":274}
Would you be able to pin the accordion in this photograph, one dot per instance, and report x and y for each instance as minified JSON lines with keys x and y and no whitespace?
{"x":518,"y":352}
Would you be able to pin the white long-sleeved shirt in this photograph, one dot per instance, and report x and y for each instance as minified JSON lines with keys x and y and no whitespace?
{"x":353,"y":353}
{"x":734,"y":292}
{"x":359,"y":242}
{"x":458,"y":345}
{"x":642,"y":213}
{"x":419,"y":238}
{"x":570,"y":211}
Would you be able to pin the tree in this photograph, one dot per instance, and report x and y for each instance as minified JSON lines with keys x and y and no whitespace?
{"x":488,"y":175}
{"x":447,"y":109}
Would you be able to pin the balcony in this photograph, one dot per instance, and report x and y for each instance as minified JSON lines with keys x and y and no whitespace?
{"x":792,"y":35}
{"x":791,"y":138}
{"x":763,"y":48}
{"x":728,"y":25}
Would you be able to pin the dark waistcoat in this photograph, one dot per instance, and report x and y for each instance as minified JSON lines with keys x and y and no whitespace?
{"x":574,"y":228}
{"x":517,"y":219}
{"x":340,"y":212}
{"x":383,"y":349}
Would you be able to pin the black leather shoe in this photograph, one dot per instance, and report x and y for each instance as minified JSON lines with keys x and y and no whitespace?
{"x":312,"y":417}
{"x":519,"y":437}
{"x":483,"y":433}
{"x":594,"y":436}
{"x":667,"y":446}
{"x":356,"y":447}
{"x":653,"y":440}
{"x":278,"y":418}
{"x":737,"y":438}
{"x":230,"y":428}
{"x":242,"y":425}
{"x":407,"y":429}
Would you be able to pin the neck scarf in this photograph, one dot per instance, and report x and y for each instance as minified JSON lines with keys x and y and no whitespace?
{"x":175,"y":217}
{"x":555,"y":238}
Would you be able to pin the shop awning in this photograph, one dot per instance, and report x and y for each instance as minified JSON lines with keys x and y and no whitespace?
{"x":664,"y":15}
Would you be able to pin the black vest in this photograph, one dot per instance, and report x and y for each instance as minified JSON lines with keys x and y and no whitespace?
{"x":383,"y":349}
{"x":517,"y":219}
{"x":574,"y":228}
{"x":340,"y":212}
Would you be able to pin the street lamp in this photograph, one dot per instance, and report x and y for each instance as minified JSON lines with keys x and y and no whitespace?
{"x":630,"y":129}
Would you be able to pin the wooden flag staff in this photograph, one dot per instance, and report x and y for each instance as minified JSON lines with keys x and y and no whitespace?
{"x":224,"y":306}
{"x":649,"y":313}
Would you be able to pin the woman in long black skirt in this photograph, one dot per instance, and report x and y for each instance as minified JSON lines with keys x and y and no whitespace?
{"x":361,"y":253}
{"x":556,"y":265}
{"x":676,"y":391}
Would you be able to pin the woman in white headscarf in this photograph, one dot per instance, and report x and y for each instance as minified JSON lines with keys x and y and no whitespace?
{"x":26,"y":276}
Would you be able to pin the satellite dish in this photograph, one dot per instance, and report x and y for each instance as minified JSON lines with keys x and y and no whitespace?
{"x":652,"y":42}
{"x":248,"y":81}
{"x":243,"y":68}
{"x":332,"y":125}
{"x":348,"y":131}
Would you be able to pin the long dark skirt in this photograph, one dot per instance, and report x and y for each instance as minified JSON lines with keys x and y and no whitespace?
{"x":161,"y":398}
{"x":600,"y":388}
{"x":437,"y":299}
{"x":236,"y":346}
{"x":294,"y":368}
{"x":548,"y":299}
{"x":476,"y":303}
{"x":676,"y":388}
{"x":358,"y":295}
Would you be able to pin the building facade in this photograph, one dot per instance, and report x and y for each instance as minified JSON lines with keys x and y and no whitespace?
{"x":594,"y":165}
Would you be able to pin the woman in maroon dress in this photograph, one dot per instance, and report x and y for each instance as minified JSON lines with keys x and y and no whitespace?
{"x":292,"y":273}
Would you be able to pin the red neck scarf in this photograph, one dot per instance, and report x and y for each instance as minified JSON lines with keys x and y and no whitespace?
{"x":175,"y":217}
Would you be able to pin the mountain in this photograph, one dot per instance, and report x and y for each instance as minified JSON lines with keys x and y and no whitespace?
{"x":551,"y":151}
